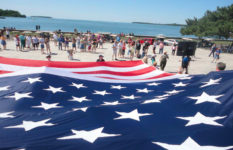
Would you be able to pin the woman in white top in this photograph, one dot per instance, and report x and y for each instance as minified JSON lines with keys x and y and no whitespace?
{"x":28,"y":41}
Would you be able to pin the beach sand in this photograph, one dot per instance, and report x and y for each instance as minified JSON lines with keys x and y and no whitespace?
{"x":201,"y":63}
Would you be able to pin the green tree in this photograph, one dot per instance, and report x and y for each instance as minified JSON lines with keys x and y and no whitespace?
{"x":213,"y":23}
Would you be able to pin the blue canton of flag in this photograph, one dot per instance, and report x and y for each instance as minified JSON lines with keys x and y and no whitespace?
{"x":51,"y":112}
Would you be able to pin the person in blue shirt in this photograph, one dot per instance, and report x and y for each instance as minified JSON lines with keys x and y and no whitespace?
{"x":59,"y":43}
{"x":217,"y":55}
{"x":118,"y":38}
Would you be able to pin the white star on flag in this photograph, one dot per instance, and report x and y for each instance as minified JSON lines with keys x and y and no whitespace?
{"x":156,"y":100}
{"x":180,"y":84}
{"x":79,"y":99}
{"x":111,"y":103}
{"x":129,"y":97}
{"x":46,"y":106}
{"x":5,"y":88}
{"x":84,"y":109}
{"x":174,"y":92}
{"x":201,"y":119}
{"x":153,"y":84}
{"x":7,"y":115}
{"x":163,"y":96}
{"x":190,"y":144}
{"x":33,"y":80}
{"x":119,"y":87}
{"x":211,"y":82}
{"x":89,"y":136}
{"x":54,"y":90}
{"x":103,"y":93}
{"x":131,"y":115}
{"x":206,"y":98}
{"x":78,"y":86}
{"x":143,"y":90}
{"x":29,"y":125}
{"x":19,"y":96}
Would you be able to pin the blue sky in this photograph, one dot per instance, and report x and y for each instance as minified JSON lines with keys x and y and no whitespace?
{"x":156,"y":11}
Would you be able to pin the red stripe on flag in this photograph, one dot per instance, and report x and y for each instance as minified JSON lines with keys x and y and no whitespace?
{"x":60,"y":64}
{"x":4,"y":72}
{"x":163,"y":75}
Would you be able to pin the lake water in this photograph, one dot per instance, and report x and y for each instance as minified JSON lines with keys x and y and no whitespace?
{"x":94,"y":26}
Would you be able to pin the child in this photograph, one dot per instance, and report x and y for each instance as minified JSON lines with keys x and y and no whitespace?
{"x":74,"y":44}
{"x":70,"y":54}
{"x":17,"y":42}
{"x":42,"y":42}
{"x":47,"y":45}
{"x":67,"y":43}
{"x":174,"y":49}
{"x":216,"y":55}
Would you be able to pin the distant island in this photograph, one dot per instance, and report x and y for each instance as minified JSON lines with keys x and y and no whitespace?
{"x":41,"y":17}
{"x":11,"y":13}
{"x":171,"y":24}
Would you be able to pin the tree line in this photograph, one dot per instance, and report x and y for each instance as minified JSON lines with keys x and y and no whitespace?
{"x":218,"y":23}
{"x":10,"y":13}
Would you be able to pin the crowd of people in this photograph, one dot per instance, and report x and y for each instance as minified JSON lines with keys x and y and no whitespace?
{"x":122,"y":48}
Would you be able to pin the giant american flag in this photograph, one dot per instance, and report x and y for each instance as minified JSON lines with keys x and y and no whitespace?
{"x":112,"y":106}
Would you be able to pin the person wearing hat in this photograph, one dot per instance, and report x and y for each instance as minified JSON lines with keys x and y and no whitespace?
{"x":163,"y":60}
{"x":101,"y":59}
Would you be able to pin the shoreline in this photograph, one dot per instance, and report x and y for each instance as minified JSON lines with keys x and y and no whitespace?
{"x":136,"y":36}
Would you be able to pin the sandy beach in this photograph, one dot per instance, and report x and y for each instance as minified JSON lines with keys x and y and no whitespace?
{"x":201,"y":63}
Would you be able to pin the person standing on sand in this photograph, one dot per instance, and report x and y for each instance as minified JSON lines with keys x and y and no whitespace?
{"x":7,"y":34}
{"x":42,"y":43}
{"x":123,"y":49}
{"x":78,"y":42}
{"x":101,"y":43}
{"x":94,"y":45}
{"x":74,"y":48}
{"x":17,"y":42}
{"x":185,"y":64}
{"x":82,"y":46}
{"x":138,"y":48}
{"x":55,"y":38}
{"x":34,"y":42}
{"x":132,"y":52}
{"x":174,"y":48}
{"x":217,"y":55}
{"x":59,"y":43}
{"x":154,"y":47}
{"x":22,"y":41}
{"x":114,"y":48}
{"x":47,"y":45}
{"x":161,"y":47}
{"x":63,"y":41}
{"x":213,"y":49}
{"x":163,"y":61}
{"x":3,"y":42}
{"x":120,"y":47}
{"x":28,"y":42}
{"x":67,"y":43}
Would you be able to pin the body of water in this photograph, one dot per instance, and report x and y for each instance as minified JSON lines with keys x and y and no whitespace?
{"x":94,"y":26}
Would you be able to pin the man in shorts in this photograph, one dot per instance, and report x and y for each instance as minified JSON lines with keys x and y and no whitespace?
{"x":163,"y":61}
